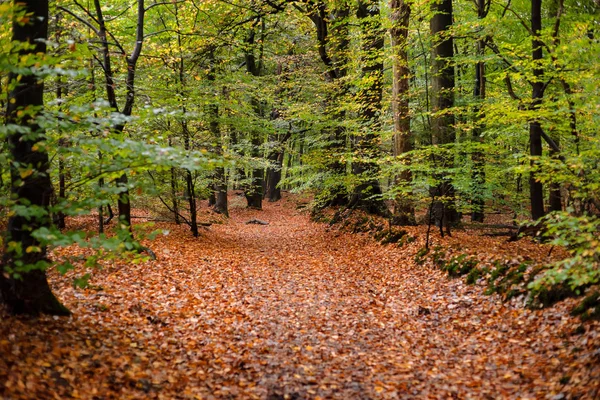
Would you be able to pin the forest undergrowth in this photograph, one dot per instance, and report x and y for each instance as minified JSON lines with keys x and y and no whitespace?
{"x":298,"y":310}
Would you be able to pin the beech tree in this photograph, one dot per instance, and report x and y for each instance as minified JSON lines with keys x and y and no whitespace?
{"x":443,"y":131}
{"x":23,"y":284}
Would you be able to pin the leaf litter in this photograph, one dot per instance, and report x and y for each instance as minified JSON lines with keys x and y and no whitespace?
{"x":295,"y":310}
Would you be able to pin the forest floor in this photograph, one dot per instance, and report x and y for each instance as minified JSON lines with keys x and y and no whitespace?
{"x":295,"y":310}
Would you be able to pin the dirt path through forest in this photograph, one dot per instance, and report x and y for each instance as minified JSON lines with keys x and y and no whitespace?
{"x":295,"y":310}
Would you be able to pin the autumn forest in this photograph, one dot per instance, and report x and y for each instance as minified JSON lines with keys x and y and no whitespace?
{"x":300,"y":199}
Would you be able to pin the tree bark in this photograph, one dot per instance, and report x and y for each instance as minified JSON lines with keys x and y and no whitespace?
{"x":536,"y":190}
{"x":124,"y":205}
{"x":29,"y":293}
{"x":442,"y":122}
{"x":367,"y":194}
{"x":478,"y":158}
{"x":254,"y":191}
{"x":404,"y":211}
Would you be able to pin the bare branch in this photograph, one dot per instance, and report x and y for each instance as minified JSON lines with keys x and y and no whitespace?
{"x":80,"y":19}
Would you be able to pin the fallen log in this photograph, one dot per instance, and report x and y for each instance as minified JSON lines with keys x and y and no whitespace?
{"x":257,"y":222}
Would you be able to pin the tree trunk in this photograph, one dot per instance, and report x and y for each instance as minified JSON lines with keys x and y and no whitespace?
{"x":189,"y":180}
{"x":124,"y":205}
{"x":254,"y":191}
{"x":478,"y":158}
{"x":442,"y":122}
{"x":220,"y":181}
{"x":62,"y":190}
{"x":367,"y":194}
{"x":29,"y":293}
{"x":274,"y":177}
{"x":173,"y":178}
{"x":555,"y":198}
{"x":536,"y":190}
{"x":404,"y":212}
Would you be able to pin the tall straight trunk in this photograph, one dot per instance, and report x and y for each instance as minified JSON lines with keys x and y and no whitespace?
{"x":254,"y":191}
{"x":442,"y":122}
{"x":536,"y":190}
{"x":173,"y":179}
{"x":367,"y":193}
{"x":30,"y":293}
{"x":478,"y":158}
{"x":220,"y":181}
{"x":404,"y":212}
{"x":332,"y":30}
{"x":555,"y":198}
{"x":189,"y":181}
{"x":274,"y":177}
{"x":62,"y":184}
{"x":276,"y":155}
{"x":124,"y":204}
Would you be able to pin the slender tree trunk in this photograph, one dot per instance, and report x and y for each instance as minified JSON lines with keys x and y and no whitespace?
{"x":332,"y":30}
{"x":124,"y":204}
{"x":273,"y":192}
{"x":536,"y":190}
{"x":442,"y":122}
{"x":555,"y":198}
{"x":173,"y":178}
{"x":219,"y":191}
{"x":478,"y":158}
{"x":189,"y":180}
{"x":367,"y":194}
{"x":404,"y":212}
{"x":254,"y":191}
{"x":62,"y":190}
{"x":29,"y":294}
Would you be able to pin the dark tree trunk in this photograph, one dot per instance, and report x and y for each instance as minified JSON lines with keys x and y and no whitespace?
{"x":30,"y":293}
{"x":478,"y":176}
{"x":555,"y":198}
{"x":220,"y":180}
{"x":332,"y":29}
{"x":442,"y":125}
{"x":404,"y":212}
{"x":536,"y":190}
{"x":62,"y":184}
{"x":174,"y":199}
{"x":254,"y":191}
{"x":274,"y":177}
{"x":189,"y":180}
{"x":124,"y":205}
{"x":367,"y":194}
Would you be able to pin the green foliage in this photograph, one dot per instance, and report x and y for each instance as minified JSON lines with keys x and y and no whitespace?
{"x":579,"y":236}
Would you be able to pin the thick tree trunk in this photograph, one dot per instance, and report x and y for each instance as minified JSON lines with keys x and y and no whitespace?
{"x":30,"y":293}
{"x":404,"y":212}
{"x":442,"y":122}
{"x":536,"y":190}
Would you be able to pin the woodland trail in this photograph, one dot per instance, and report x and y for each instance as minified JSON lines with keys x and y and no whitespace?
{"x":296,"y":310}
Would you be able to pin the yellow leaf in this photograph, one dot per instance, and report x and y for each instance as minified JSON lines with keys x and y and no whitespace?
{"x":25,"y":173}
{"x":33,"y":249}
